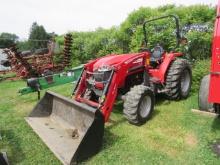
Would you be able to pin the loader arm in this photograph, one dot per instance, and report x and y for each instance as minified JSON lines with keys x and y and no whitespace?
{"x":106,"y":101}
{"x":109,"y":99}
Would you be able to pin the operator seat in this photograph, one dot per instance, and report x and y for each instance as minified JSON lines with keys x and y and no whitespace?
{"x":156,"y":55}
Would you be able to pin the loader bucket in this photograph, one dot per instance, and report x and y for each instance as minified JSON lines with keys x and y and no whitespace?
{"x":73,"y":131}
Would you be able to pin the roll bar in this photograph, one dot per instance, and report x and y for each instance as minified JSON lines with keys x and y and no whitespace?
{"x":178,"y":37}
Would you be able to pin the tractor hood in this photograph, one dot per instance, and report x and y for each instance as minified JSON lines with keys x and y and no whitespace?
{"x":113,"y":60}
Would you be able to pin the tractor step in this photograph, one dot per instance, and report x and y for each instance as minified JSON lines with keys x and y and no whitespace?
{"x":163,"y":91}
{"x":207,"y":113}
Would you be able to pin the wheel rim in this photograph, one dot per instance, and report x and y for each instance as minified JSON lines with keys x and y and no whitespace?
{"x":145,"y":106}
{"x":185,"y":81}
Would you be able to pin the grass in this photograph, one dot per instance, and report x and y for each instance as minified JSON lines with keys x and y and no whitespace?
{"x":174,"y":135}
{"x":6,"y":75}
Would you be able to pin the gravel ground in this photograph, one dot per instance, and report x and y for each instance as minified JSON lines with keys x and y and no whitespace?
{"x":2,"y":57}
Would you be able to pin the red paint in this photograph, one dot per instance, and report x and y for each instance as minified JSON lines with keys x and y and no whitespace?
{"x":214,"y":88}
{"x":124,"y":65}
{"x":159,"y":73}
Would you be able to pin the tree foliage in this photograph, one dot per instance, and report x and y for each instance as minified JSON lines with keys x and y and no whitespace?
{"x":7,"y":40}
{"x":38,"y":37}
{"x":128,"y":37}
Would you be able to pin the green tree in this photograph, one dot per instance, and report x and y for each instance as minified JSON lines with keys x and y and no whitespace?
{"x":128,"y":37}
{"x":7,"y":40}
{"x":23,"y":45}
{"x":38,"y":36}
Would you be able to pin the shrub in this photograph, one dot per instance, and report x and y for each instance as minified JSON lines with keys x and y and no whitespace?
{"x":128,"y":37}
{"x":199,"y":45}
{"x":200,"y":69}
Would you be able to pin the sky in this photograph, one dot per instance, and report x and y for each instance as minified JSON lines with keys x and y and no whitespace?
{"x":61,"y":16}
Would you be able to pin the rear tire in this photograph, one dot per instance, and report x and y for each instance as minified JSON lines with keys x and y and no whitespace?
{"x":178,"y":79}
{"x":139,"y":104}
{"x":204,"y":105}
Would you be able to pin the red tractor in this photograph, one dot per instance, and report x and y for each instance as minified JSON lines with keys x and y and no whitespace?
{"x":135,"y":77}
{"x":209,"y":93}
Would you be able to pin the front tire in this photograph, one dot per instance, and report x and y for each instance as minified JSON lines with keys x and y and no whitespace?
{"x":139,"y":104}
{"x":178,"y":79}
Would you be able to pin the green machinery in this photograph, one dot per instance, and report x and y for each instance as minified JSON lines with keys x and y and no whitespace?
{"x":50,"y":80}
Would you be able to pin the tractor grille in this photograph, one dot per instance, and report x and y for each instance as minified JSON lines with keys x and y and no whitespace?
{"x":102,"y":76}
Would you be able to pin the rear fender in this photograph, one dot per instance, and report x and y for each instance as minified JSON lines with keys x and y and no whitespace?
{"x":160,"y":74}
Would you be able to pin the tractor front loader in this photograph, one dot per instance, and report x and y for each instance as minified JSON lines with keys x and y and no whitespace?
{"x":73,"y":128}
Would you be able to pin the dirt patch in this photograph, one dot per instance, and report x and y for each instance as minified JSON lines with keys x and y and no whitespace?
{"x":163,"y":147}
{"x":191,"y":139}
